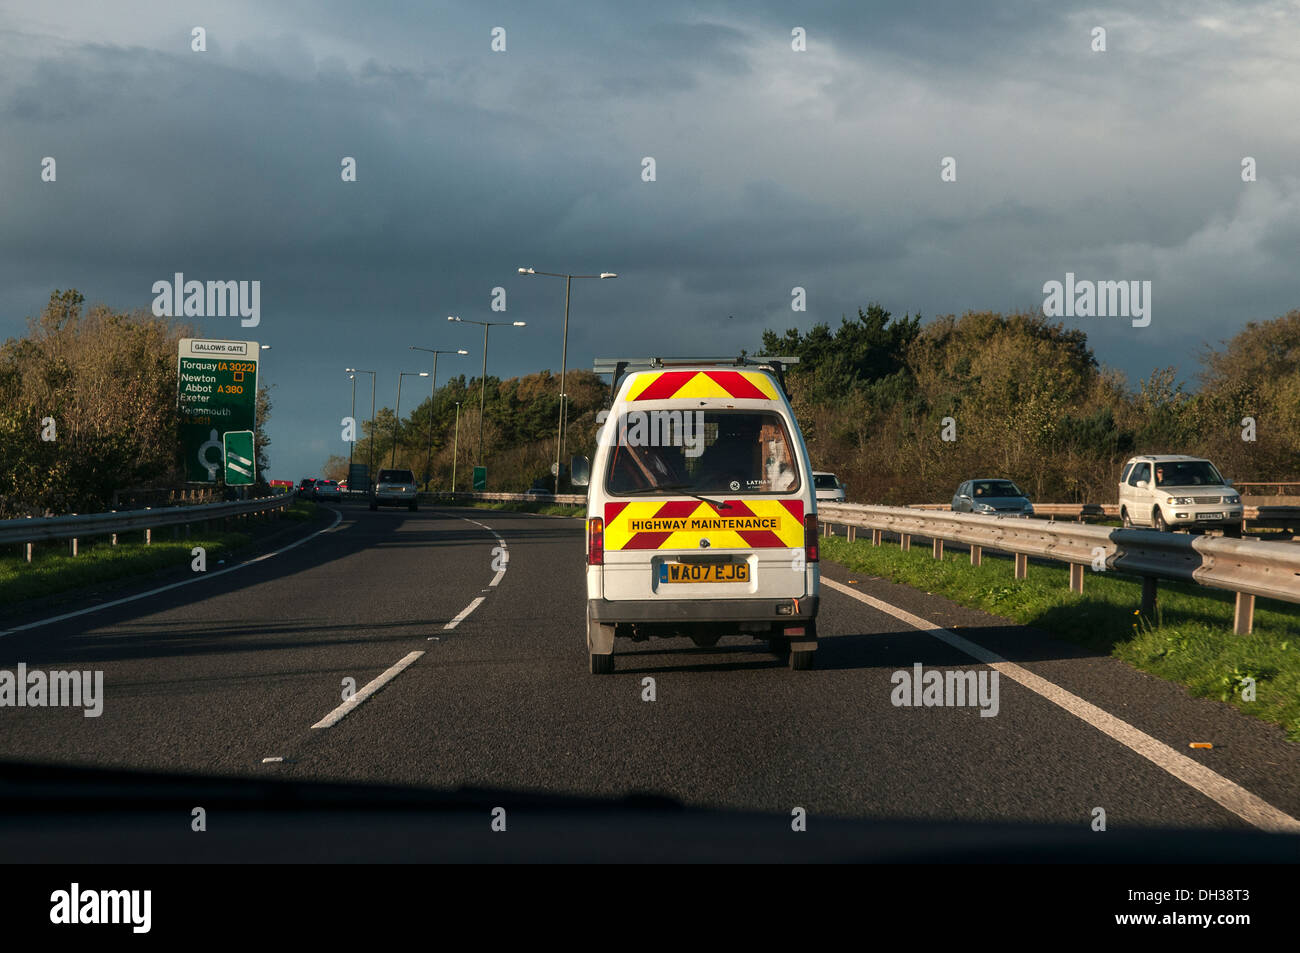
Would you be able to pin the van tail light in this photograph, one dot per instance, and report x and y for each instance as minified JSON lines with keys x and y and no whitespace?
{"x":596,"y":542}
{"x":810,"y":538}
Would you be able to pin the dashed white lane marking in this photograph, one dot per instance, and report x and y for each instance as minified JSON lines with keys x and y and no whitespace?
{"x":1216,"y":787}
{"x":496,"y":580}
{"x":464,"y":613}
{"x":199,"y":577}
{"x":338,"y":714}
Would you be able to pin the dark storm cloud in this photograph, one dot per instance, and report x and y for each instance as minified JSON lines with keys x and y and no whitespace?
{"x":775,"y":169}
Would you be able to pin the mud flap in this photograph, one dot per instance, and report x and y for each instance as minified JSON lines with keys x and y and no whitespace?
{"x":600,"y":637}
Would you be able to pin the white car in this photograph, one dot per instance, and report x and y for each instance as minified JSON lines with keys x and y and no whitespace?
{"x":326,"y":490}
{"x":1169,"y":492}
{"x":701,"y":513}
{"x":828,"y":486}
{"x":395,"y":488}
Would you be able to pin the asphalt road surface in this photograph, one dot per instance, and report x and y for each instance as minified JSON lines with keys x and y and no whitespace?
{"x":243,"y":673}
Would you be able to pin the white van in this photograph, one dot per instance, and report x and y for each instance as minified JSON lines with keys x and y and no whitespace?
{"x":701,"y":509}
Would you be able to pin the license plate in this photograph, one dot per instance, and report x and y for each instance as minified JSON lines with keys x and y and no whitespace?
{"x":704,"y":572}
{"x":1209,"y":516}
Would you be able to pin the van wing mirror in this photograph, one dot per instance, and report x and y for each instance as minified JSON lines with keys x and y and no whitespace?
{"x":579,"y":471}
{"x":1142,"y":485}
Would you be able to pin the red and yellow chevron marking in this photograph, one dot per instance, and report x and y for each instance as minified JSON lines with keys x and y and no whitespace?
{"x":681,"y":524}
{"x":666,"y":385}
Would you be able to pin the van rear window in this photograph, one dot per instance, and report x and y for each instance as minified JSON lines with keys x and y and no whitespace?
{"x":675,"y":452}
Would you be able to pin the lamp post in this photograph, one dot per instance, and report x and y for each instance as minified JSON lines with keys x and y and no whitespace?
{"x":397,"y":413}
{"x":370,"y":466}
{"x":564,"y":357}
{"x":353,"y":442}
{"x":455,"y":450}
{"x":482,"y":391}
{"x":433,"y":389}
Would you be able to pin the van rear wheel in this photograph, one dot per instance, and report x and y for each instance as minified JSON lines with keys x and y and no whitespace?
{"x":801,"y":661}
{"x":601,"y":664}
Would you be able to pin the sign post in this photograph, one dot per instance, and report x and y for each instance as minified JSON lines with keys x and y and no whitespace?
{"x":241,"y":468}
{"x":216,"y":394}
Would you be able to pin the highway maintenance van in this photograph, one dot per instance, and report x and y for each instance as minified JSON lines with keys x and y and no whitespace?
{"x":701,"y":509}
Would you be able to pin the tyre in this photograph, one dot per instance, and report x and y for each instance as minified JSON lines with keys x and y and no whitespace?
{"x":779,"y":646}
{"x":801,"y":661}
{"x":373,"y":507}
{"x":601,"y":664}
{"x":1232,"y":532}
{"x":1124,"y":518}
{"x":1158,"y":520}
{"x":414,"y":507}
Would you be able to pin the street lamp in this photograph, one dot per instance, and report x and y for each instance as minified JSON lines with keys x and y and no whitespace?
{"x":482,"y":390}
{"x":353,"y":417}
{"x":433,"y":388}
{"x":397,"y":414}
{"x":370,"y":466}
{"x":564,"y":356}
{"x":455,"y":450}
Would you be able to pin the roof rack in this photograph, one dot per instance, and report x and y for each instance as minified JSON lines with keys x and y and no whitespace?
{"x":619,"y":366}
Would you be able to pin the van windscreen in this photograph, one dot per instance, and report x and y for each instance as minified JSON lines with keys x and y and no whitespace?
{"x":672,"y":452}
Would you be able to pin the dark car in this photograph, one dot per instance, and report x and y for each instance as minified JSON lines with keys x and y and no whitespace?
{"x":991,"y":497}
{"x":306,"y":486}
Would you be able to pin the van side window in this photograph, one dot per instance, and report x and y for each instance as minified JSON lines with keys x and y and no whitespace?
{"x":1140,"y":472}
{"x":1123,"y":477}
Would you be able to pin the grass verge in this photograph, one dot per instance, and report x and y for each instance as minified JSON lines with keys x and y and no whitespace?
{"x":1189,"y":641}
{"x":546,"y":509}
{"x":54,"y":570}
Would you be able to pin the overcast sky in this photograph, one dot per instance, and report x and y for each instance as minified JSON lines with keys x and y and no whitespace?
{"x":774,"y":168}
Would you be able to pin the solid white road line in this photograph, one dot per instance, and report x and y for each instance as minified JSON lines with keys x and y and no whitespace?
{"x":337,"y":715}
{"x":198,"y":577}
{"x":1228,"y":794}
{"x":464,"y":613}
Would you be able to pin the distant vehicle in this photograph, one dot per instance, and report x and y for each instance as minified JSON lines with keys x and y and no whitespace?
{"x":991,"y":497}
{"x":343,"y":485}
{"x":536,"y":491}
{"x":1166,"y":492}
{"x":395,"y":488}
{"x":828,"y":486}
{"x":304,"y":488}
{"x":326,"y":490}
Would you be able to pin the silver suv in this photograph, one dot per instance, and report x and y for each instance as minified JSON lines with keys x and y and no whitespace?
{"x":395,"y":488}
{"x":1166,"y":492}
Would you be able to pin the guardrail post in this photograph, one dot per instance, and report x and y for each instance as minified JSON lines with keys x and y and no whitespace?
{"x":850,"y":532}
{"x":1022,"y":565}
{"x":74,"y":545}
{"x":1076,"y":577}
{"x":937,"y":549}
{"x":148,"y":536}
{"x":905,"y":541}
{"x":976,"y":555}
{"x":1243,"y":617}
{"x":1148,"y":594}
{"x":28,"y":547}
{"x":826,"y":529}
{"x":876,"y":537}
{"x":113,"y":536}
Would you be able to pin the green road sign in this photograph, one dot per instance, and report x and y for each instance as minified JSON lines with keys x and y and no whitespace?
{"x":216,"y":392}
{"x":480,"y":479}
{"x":238,"y":447}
